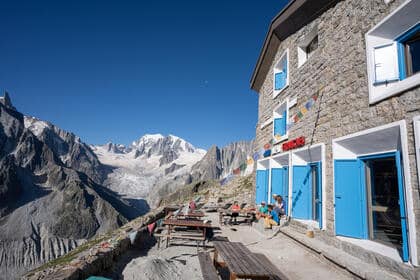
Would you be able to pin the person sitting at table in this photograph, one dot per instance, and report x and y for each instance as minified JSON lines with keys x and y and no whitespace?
{"x":235,"y":211}
{"x":262,"y":211}
{"x":192,"y":205}
{"x":272,"y":219}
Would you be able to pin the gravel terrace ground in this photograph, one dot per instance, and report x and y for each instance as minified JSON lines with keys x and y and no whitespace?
{"x":180,"y":261}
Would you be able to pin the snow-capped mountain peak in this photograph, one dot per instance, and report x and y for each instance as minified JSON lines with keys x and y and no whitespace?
{"x":152,"y":161}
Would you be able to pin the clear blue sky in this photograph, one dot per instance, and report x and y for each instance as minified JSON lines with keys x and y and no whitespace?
{"x":115,"y":70}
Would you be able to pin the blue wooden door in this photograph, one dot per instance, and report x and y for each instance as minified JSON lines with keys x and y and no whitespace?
{"x":302,"y":192}
{"x":261,"y":186}
{"x":317,"y":188}
{"x":405,"y":250}
{"x":350,"y":198}
{"x":280,"y":184}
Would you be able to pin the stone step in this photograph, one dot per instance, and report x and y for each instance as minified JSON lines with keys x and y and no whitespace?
{"x":297,"y":226}
{"x":351,"y":263}
{"x":259,"y":226}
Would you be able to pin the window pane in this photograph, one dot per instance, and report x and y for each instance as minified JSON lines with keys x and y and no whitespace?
{"x":280,"y":80}
{"x":313,"y":45}
{"x":413,"y":54}
{"x":386,"y":66}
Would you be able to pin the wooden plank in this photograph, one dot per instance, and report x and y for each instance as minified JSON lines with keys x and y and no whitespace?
{"x":208,"y":270}
{"x":240,"y":260}
{"x":253,"y":264}
{"x":187,"y":223}
{"x":275,"y":273}
{"x":221,"y":251}
{"x":230,"y":258}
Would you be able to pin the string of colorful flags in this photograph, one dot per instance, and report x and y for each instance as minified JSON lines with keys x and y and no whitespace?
{"x":266,"y":150}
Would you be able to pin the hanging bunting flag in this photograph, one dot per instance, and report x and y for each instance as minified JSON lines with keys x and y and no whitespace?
{"x":267,"y":153}
{"x":256,"y":156}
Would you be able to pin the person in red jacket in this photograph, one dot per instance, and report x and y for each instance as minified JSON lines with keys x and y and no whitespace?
{"x":235,"y":211}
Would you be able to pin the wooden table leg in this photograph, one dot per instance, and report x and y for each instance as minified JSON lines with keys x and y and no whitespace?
{"x":215,"y":258}
{"x":204,"y":237}
{"x":169,"y":235}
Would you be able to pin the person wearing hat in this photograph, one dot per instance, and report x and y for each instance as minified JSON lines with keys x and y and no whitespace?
{"x":262,"y":211}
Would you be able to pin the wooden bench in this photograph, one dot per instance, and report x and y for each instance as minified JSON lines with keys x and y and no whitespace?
{"x":207,"y":268}
{"x":275,"y":273}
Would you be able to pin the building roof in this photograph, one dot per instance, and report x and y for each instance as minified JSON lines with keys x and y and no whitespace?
{"x":294,"y":16}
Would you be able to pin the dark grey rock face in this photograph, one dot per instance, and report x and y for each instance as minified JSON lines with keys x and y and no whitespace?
{"x":173,"y":168}
{"x":50,"y":197}
{"x":221,"y":161}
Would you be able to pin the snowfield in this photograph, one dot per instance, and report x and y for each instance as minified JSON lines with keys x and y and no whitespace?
{"x":138,"y":170}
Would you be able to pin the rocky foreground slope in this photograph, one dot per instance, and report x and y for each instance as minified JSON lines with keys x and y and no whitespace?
{"x":50,"y":197}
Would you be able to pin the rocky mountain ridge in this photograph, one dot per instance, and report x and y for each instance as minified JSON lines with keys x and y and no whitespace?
{"x":50,"y":198}
{"x":66,"y":191}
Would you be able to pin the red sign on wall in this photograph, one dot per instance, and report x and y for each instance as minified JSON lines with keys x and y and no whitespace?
{"x":293,"y":144}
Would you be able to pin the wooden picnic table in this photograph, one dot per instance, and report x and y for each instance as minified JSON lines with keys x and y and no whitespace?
{"x":199,"y":225}
{"x":240,"y":261}
{"x":248,"y":214}
{"x":192,"y":214}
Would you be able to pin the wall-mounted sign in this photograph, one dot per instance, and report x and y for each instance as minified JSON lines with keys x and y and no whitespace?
{"x":293,"y":144}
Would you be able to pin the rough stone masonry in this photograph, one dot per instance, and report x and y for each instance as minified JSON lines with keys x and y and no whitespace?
{"x":339,"y":68}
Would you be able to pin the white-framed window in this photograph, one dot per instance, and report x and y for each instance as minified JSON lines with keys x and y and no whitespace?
{"x":393,"y":53}
{"x":281,"y":74}
{"x":280,"y":120}
{"x":308,"y":46}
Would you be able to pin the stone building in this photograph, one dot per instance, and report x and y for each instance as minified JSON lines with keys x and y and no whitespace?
{"x":339,"y":101}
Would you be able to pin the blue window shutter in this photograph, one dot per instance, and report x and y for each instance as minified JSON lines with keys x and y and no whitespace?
{"x":280,"y":80}
{"x":277,"y":126}
{"x":280,"y":124}
{"x":350,"y":198}
{"x":386,"y":63}
{"x":283,"y":123}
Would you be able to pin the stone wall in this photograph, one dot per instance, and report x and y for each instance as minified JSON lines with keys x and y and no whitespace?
{"x":338,"y":67}
{"x":97,"y":255}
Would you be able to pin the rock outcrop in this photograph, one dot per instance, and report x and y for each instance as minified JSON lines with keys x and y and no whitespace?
{"x":50,"y":197}
{"x":218,"y":162}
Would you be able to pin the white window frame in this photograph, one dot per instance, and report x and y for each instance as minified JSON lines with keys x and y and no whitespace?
{"x":301,"y":49}
{"x":416,"y":125}
{"x":386,"y":32}
{"x":285,"y":104}
{"x":275,"y":71}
